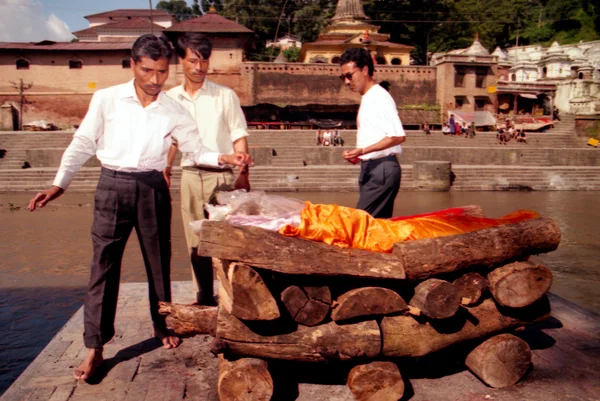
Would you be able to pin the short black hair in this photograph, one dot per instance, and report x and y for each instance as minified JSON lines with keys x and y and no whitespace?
{"x":196,"y":42}
{"x":151,"y":46}
{"x":360,"y":57}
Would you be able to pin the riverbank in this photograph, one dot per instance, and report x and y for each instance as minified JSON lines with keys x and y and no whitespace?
{"x":46,"y":254}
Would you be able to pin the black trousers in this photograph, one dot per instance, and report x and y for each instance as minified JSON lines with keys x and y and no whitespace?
{"x":379,"y":182}
{"x":125,"y":201}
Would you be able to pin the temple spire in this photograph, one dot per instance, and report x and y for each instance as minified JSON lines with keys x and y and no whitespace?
{"x":349,"y":10}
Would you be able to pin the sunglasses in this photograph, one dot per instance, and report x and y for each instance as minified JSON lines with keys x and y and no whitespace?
{"x":347,"y":76}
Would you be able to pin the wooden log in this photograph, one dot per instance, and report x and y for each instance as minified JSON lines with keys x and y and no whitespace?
{"x":246,"y":379}
{"x":270,"y":250}
{"x":367,"y":301}
{"x":243,"y":293}
{"x":309,"y":344}
{"x":190,"y":319}
{"x":376,"y":381}
{"x":488,"y":248}
{"x":308,"y":305}
{"x":470,"y":288}
{"x":437,"y":299}
{"x":500,"y":361}
{"x":519,"y":284}
{"x":403,"y":336}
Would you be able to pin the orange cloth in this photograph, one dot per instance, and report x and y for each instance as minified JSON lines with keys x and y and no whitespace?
{"x":348,"y":227}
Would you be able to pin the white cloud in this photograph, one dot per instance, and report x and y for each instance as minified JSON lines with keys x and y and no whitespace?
{"x":24,"y":21}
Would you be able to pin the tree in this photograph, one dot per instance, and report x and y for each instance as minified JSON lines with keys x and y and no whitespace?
{"x":292,"y":54}
{"x":177,"y":8}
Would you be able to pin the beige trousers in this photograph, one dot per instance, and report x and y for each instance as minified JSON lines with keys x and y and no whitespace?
{"x":197,"y":187}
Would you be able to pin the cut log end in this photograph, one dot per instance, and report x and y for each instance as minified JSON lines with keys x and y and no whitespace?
{"x":379,"y":381}
{"x":246,"y":379}
{"x":437,"y":299}
{"x":308,"y":305}
{"x":243,"y":293}
{"x":367,"y":301}
{"x":500,"y":361}
{"x":519,"y":284}
{"x":470,"y":288}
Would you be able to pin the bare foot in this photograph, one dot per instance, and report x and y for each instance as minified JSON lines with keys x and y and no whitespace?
{"x":89,"y":365}
{"x":170,"y":342}
{"x":168,"y":338}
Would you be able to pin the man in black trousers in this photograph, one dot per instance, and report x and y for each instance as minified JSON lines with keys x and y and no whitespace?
{"x":130,"y":128}
{"x":379,"y":136}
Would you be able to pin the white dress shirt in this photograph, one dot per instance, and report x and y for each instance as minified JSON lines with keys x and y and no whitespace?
{"x":217,"y":111}
{"x":377,"y":119}
{"x":125,"y":136}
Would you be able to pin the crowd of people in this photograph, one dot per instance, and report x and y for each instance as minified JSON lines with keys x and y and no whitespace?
{"x":453,"y":127}
{"x":505,"y":134}
{"x":329,"y":138}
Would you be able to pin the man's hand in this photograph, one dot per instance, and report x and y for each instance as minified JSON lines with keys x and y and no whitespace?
{"x":243,"y":180}
{"x":352,"y":154}
{"x":167,"y":174}
{"x":44,"y":197}
{"x":237,"y":159}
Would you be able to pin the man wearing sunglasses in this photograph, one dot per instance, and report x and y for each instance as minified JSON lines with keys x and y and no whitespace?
{"x":379,"y":136}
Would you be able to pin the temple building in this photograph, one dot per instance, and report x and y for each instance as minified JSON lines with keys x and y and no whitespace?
{"x":350,"y":27}
{"x":124,"y":25}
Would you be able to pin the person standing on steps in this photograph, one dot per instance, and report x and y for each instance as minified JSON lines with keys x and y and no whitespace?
{"x":379,"y":136}
{"x":129,"y":127}
{"x":222,"y":127}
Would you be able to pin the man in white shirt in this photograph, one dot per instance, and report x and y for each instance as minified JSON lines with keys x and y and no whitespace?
{"x":130,"y":127}
{"x":222,"y":127}
{"x":379,"y":136}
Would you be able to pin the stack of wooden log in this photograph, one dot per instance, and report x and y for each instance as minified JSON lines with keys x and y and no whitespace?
{"x":293,"y":299}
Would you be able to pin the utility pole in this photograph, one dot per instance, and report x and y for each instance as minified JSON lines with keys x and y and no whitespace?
{"x":518,"y":28}
{"x":279,"y":23}
{"x":151,"y":22}
{"x":21,"y":87}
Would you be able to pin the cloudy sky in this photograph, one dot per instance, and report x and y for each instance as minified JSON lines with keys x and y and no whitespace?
{"x":35,"y":20}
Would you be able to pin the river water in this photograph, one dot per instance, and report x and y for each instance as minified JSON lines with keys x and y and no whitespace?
{"x":45,"y":256}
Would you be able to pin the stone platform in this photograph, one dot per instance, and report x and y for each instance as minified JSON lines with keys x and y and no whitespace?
{"x":566,"y":364}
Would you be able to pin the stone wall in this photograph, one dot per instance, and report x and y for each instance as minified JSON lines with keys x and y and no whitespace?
{"x":469,"y":156}
{"x":301,"y":84}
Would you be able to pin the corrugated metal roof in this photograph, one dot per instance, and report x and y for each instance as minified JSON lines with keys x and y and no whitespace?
{"x":133,"y":24}
{"x":134,"y":12}
{"x":70,"y":46}
{"x":211,"y":22}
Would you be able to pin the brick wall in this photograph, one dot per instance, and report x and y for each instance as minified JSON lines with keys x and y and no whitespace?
{"x":300,"y":84}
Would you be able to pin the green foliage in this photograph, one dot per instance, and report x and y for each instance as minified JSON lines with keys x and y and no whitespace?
{"x":421,"y":107}
{"x":428,"y":25}
{"x":292,"y":54}
{"x":178,"y":8}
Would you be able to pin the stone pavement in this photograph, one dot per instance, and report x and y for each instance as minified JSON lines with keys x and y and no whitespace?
{"x":566,"y":364}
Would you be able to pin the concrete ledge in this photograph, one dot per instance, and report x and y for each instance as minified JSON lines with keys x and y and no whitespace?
{"x":51,"y":157}
{"x":470,"y":156}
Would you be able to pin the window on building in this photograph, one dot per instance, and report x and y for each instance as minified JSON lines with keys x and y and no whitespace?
{"x":544,"y":72}
{"x":396,"y":61}
{"x":22,"y":64}
{"x":460,"y":101}
{"x":380,"y":60}
{"x":580,"y":76}
{"x":480,"y":75}
{"x":126,"y":63}
{"x":459,"y":77}
{"x":335,"y":60}
{"x":480,"y":104}
{"x":513,"y":77}
{"x":75,"y":64}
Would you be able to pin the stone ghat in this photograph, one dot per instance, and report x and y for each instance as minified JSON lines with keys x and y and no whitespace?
{"x":137,"y":367}
{"x":290,"y":161}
